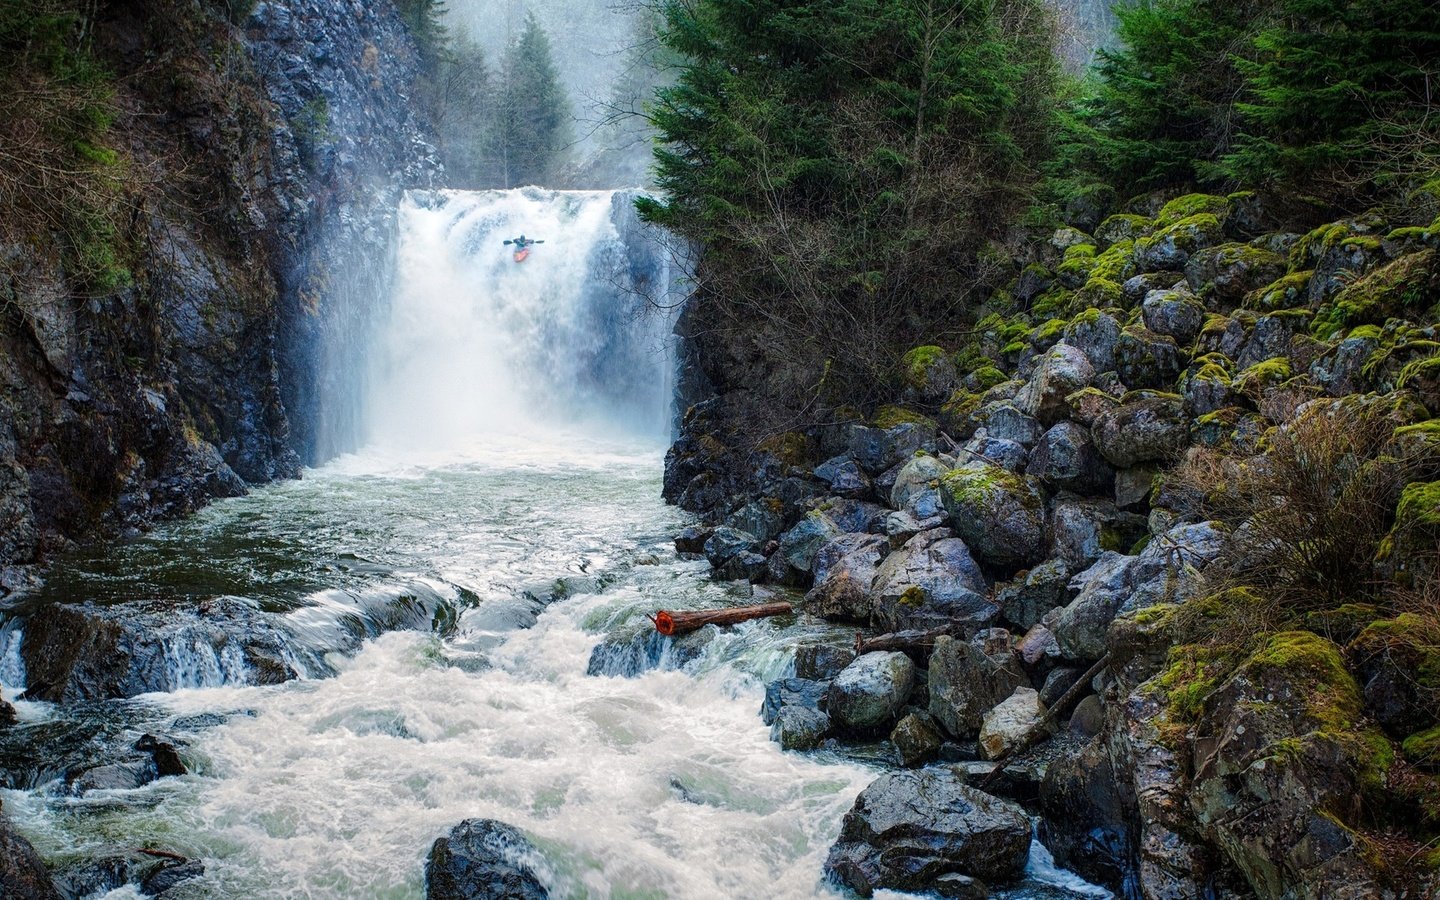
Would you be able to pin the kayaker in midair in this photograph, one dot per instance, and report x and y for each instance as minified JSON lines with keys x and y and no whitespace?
{"x":522,"y":242}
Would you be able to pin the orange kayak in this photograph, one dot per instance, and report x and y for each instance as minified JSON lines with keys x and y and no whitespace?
{"x":522,"y":254}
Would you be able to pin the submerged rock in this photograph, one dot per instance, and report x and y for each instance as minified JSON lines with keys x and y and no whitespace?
{"x":74,"y":652}
{"x":22,"y":874}
{"x":908,"y":831}
{"x":482,"y":859}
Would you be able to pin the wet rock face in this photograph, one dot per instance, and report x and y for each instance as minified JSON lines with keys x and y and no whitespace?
{"x":871,"y":690}
{"x":206,"y":374}
{"x":909,"y":830}
{"x":76,"y":653}
{"x":969,"y":678}
{"x":22,"y":874}
{"x":482,"y":859}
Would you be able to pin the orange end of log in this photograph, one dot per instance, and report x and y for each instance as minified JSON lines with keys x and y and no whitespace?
{"x":664,"y":623}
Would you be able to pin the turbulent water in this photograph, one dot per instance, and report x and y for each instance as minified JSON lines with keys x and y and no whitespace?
{"x":460,"y":571}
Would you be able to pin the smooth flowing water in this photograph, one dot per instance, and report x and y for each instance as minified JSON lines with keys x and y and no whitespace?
{"x":456,"y":576}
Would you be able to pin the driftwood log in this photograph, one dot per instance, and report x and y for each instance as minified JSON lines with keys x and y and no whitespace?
{"x":904,"y":641}
{"x":671,"y":623}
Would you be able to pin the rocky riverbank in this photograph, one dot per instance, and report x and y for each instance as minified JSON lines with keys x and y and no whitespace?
{"x":1190,"y":450}
{"x":264,"y":163}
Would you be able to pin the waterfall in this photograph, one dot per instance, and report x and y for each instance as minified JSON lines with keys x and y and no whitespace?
{"x":576,"y":337}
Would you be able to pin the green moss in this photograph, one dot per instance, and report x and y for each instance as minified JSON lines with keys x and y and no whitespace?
{"x":1263,"y":375}
{"x":1055,"y":302}
{"x":1188,"y":234}
{"x":792,"y":448}
{"x":1099,"y":294}
{"x":918,"y":363}
{"x":1288,"y":292}
{"x":1419,"y":506}
{"x":1423,"y":748}
{"x":978,"y":487}
{"x":1081,"y":251}
{"x":1343,"y":623}
{"x":1333,"y":701}
{"x":1427,"y":431}
{"x":1191,"y":205}
{"x":1316,"y":244}
{"x":987,"y":377}
{"x":1427,"y":369}
{"x":1123,"y":227}
{"x":1048,"y":334}
{"x":1192,"y":674}
{"x":891,"y":416}
{"x":1115,"y":264}
{"x":913,"y":596}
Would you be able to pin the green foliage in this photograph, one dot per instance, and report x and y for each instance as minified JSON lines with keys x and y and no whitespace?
{"x":844,"y":164}
{"x":426,"y":21}
{"x":1340,"y":94}
{"x":465,"y":114}
{"x":531,"y":111}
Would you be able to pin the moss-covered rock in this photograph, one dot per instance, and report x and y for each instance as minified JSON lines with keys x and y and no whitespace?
{"x":1123,"y":227}
{"x":1171,"y":247}
{"x":1191,"y":205}
{"x":1287,"y":292}
{"x":930,"y":374}
{"x":1409,"y":287}
{"x":999,"y":515}
{"x":1231,"y":271}
{"x":1144,"y":359}
{"x":1263,"y":376}
{"x":1116,"y":264}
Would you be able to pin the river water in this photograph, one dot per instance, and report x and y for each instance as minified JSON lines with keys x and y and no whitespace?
{"x":451,"y":581}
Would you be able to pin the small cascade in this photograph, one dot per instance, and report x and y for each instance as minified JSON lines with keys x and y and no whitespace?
{"x":574,"y":338}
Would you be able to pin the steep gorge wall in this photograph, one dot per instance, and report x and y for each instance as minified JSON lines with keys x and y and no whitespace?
{"x":269,"y":161}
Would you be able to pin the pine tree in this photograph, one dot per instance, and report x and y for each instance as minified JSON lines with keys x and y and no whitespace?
{"x":843,"y":163}
{"x":465,"y":115}
{"x":532,"y":111}
{"x":1344,"y":98}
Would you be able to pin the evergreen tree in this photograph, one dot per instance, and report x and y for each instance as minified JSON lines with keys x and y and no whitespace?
{"x":465,"y":115}
{"x":843,"y":163}
{"x":1344,"y":97}
{"x":1160,"y":107}
{"x":531,"y":111}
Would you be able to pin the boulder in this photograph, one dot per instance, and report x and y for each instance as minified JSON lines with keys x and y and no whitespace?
{"x":1004,"y":420}
{"x":968,"y":678}
{"x":1230,"y":271}
{"x":727,"y":543}
{"x":844,"y":571}
{"x":1095,"y":334}
{"x":909,"y":829}
{"x":1171,"y":248}
{"x":692,"y":539}
{"x":1088,"y":405}
{"x":22,"y":874}
{"x":1004,"y":453}
{"x":763,"y":518}
{"x":1081,"y":530}
{"x":855,"y":516}
{"x":1067,"y":459}
{"x":845,"y":477}
{"x":1154,"y":430}
{"x":999,"y":515}
{"x":1169,"y":569}
{"x":871,"y":691}
{"x":1280,"y":781}
{"x":794,"y":708}
{"x":800,"y":544}
{"x":1133,"y":488}
{"x":77,"y":652}
{"x":1103,"y":589}
{"x":930,"y":582}
{"x":1270,"y":339}
{"x":916,"y":476}
{"x":1008,"y":724}
{"x":483,"y":859}
{"x":1025,"y":601}
{"x":877,"y":449}
{"x":1144,"y":359}
{"x":821,"y":661}
{"x":1176,"y":314}
{"x":917,"y":741}
{"x":1060,"y":372}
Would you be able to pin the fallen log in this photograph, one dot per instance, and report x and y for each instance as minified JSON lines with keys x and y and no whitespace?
{"x":162,"y":854}
{"x":682,"y":622}
{"x":904,"y":641}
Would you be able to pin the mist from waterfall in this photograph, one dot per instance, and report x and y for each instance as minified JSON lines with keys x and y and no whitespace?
{"x":480,"y":347}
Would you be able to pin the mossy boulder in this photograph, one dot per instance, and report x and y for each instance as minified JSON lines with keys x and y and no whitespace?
{"x":1409,"y":287}
{"x":1154,"y":430}
{"x":1177,"y":314}
{"x":1172,"y":246}
{"x":1188,"y":205}
{"x":930,"y":374}
{"x":1095,"y":333}
{"x":1231,"y":271}
{"x":1255,"y":381}
{"x":1063,"y":370}
{"x":1000,"y":515}
{"x":1122,"y":227}
{"x":1398,"y":660}
{"x":1144,"y":359}
{"x":1286,"y":292}
{"x":1207,"y":385}
{"x":1074,"y":270}
{"x":1281,"y":781}
{"x":1116,"y":264}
